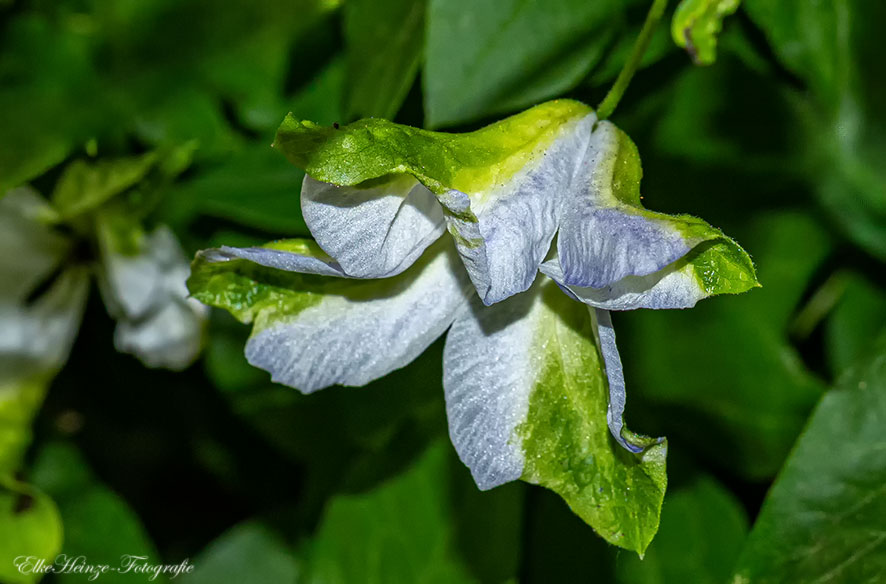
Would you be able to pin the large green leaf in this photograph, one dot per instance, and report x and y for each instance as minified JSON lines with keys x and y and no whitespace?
{"x":383,"y":41}
{"x":490,"y":57}
{"x":399,"y":532}
{"x":823,"y":519}
{"x":722,"y":378}
{"x":702,"y":530}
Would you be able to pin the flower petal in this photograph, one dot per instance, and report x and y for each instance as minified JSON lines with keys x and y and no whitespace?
{"x":145,"y":292}
{"x":170,"y":337}
{"x":373,"y":230}
{"x":503,"y":234}
{"x":36,"y":339}
{"x":606,"y":235}
{"x":32,"y":248}
{"x":502,"y":186}
{"x":292,"y":255}
{"x":311,"y":332}
{"x":489,"y":370}
{"x":718,"y":267}
{"x":616,"y":381}
{"x":526,"y":398}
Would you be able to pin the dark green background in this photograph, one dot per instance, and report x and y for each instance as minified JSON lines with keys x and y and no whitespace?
{"x":781,"y":144}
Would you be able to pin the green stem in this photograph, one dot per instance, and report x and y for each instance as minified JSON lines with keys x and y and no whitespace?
{"x":609,"y":103}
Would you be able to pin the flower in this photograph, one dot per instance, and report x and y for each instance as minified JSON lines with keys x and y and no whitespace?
{"x":522,"y":371}
{"x":44,"y":283}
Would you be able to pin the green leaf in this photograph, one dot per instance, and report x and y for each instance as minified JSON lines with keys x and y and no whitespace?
{"x":253,"y":187}
{"x":696,"y":25}
{"x":98,"y":524}
{"x":248,"y":553}
{"x":566,"y":439}
{"x":485,"y":58}
{"x":84,"y":186}
{"x":400,"y":531}
{"x":722,"y":377}
{"x":383,"y":41}
{"x":831,"y":46}
{"x":702,"y":531}
{"x":30,"y":530}
{"x":822,"y":520}
{"x":45,"y":68}
{"x":857,"y":318}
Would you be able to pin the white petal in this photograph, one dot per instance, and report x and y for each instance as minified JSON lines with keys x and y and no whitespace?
{"x":674,"y":286}
{"x":605,"y":235}
{"x":352,"y":341}
{"x":37,"y":338}
{"x":170,"y":337}
{"x":503,"y":234}
{"x":31,"y":249}
{"x":490,"y":366}
{"x":615,"y":375}
{"x":148,"y":296}
{"x":372,"y":231}
{"x":291,"y":261}
{"x":599,"y":246}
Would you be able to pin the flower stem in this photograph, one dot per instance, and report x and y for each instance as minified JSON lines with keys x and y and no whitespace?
{"x":609,"y":103}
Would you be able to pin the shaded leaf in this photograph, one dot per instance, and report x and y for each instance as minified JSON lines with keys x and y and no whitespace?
{"x":724,"y":372}
{"x":702,"y":531}
{"x":822,"y":520}
{"x":383,"y":41}
{"x":98,"y":524}
{"x":398,"y":532}
{"x":485,"y":58}
{"x":857,"y":318}
{"x":248,"y":553}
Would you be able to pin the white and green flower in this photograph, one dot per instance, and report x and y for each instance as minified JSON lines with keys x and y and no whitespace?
{"x":550,"y":190}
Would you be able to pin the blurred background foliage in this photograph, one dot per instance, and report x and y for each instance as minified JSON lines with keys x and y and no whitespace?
{"x":774,"y":475}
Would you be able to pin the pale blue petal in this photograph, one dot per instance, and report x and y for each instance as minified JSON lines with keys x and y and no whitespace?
{"x":504,"y":234}
{"x":674,"y":286}
{"x":344,"y":340}
{"x":599,"y":246}
{"x":489,"y":371}
{"x":372,"y":231}
{"x":278,"y":259}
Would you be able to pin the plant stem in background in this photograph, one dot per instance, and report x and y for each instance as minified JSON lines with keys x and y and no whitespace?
{"x":610,"y":102}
